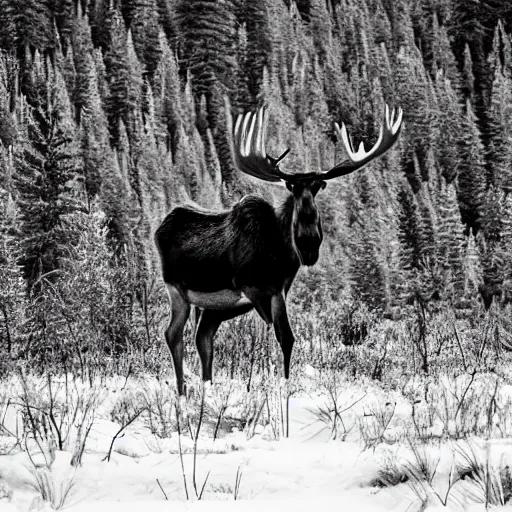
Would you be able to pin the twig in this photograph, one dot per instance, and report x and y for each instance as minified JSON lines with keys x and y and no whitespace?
{"x":288,"y":413}
{"x":463,"y":397}
{"x":181,"y":450}
{"x":127,"y":424}
{"x":204,"y":485}
{"x":196,"y":437}
{"x":162,"y":489}
{"x":238,"y":479}
{"x":51,"y":416}
{"x":219,"y":419}
{"x":130,"y":369}
{"x":457,"y":337}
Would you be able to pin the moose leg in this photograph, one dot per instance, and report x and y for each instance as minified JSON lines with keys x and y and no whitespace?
{"x":208,"y":324}
{"x":283,"y":330}
{"x":180,"y":310}
{"x":260,"y":301}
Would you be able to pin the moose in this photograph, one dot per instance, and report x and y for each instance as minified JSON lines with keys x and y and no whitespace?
{"x":227,"y":263}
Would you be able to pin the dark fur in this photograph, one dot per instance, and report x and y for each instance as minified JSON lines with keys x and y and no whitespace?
{"x":251,"y":248}
{"x":212,"y":251}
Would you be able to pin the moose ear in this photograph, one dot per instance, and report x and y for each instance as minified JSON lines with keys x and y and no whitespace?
{"x":316,"y":186}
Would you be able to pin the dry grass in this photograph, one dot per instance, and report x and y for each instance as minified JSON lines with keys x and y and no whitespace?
{"x":50,"y":490}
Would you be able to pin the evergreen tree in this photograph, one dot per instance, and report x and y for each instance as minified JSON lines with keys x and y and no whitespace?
{"x":124,"y":76}
{"x":381,"y":23}
{"x":253,"y":17}
{"x":168,"y":100}
{"x":448,"y":135}
{"x":471,"y":175}
{"x":12,"y":285}
{"x":206,"y":32}
{"x":47,"y":175}
{"x":142,"y":21}
{"x":414,"y":92}
{"x":450,"y":238}
{"x":367,"y":274}
{"x":65,"y":19}
{"x":26,"y":24}
{"x":499,"y":149}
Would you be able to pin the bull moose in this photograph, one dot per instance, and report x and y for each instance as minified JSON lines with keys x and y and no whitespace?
{"x":227,"y":263}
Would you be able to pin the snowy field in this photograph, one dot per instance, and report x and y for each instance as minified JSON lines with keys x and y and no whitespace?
{"x":365,"y":449}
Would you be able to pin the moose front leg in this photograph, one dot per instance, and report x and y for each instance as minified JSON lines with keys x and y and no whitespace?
{"x":260,"y":301}
{"x":283,"y":330}
{"x":180,"y":310}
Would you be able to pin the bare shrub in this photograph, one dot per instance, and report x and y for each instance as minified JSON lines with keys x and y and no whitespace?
{"x":49,"y":489}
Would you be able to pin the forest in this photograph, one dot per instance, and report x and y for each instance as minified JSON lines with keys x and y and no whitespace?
{"x":113,"y":112}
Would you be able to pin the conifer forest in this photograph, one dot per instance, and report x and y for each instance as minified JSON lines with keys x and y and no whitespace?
{"x":113,"y":112}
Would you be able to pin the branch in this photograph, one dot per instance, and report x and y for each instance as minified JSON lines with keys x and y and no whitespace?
{"x":127,"y":424}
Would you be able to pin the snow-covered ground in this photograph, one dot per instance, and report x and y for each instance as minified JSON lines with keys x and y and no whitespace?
{"x":308,"y":470}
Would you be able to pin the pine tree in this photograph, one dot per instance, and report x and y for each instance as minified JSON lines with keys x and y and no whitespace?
{"x":206,"y":31}
{"x":124,"y":76}
{"x":142,"y":22}
{"x":64,"y":12}
{"x":167,"y":19}
{"x":381,"y":23}
{"x":8,"y":82}
{"x":410,"y":247}
{"x":499,"y":150}
{"x":506,"y":247}
{"x":468,"y":78}
{"x":12,"y":285}
{"x":444,"y":59}
{"x":450,"y":238}
{"x":253,"y":17}
{"x":167,"y":97}
{"x":471,"y":175}
{"x":47,"y":175}
{"x":366,"y":271}
{"x":401,"y":23}
{"x":473,"y":273}
{"x":26,"y":24}
{"x":414,"y":93}
{"x":448,"y":135}
{"x":491,"y":243}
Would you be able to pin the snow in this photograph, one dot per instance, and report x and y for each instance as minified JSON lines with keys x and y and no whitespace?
{"x":308,"y":470}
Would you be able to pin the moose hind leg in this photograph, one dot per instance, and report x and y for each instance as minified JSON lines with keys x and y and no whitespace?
{"x":180,"y":310}
{"x":283,"y":330}
{"x":207,"y":327}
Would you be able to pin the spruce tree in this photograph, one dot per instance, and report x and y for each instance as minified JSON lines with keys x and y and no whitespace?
{"x":253,"y":17}
{"x":499,"y":131}
{"x":471,"y":175}
{"x":142,"y":22}
{"x":47,"y":174}
{"x":124,"y":75}
{"x":450,"y":126}
{"x":450,"y":238}
{"x":26,"y":24}
{"x":168,"y":98}
{"x":206,"y":32}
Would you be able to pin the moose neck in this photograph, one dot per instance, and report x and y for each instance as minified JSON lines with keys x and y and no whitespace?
{"x":284,"y":215}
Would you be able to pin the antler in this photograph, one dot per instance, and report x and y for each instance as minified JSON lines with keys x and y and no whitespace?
{"x":249,"y":147}
{"x":250,"y":156}
{"x":388,"y":135}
